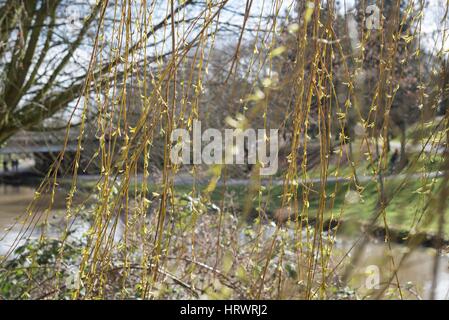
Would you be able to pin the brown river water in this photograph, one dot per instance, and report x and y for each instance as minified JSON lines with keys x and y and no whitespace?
{"x":415,"y":273}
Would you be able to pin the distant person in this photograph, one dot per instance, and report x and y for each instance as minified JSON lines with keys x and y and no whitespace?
{"x":393,"y":160}
{"x":15,"y":165}
{"x":5,"y":166}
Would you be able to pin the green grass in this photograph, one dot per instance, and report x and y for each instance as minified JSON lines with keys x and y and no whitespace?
{"x":411,"y":206}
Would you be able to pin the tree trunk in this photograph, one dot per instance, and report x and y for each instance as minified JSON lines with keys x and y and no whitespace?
{"x":403,"y":160}
{"x":5,"y":135}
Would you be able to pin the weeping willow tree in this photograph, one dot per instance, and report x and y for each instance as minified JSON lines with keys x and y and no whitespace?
{"x":327,"y":78}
